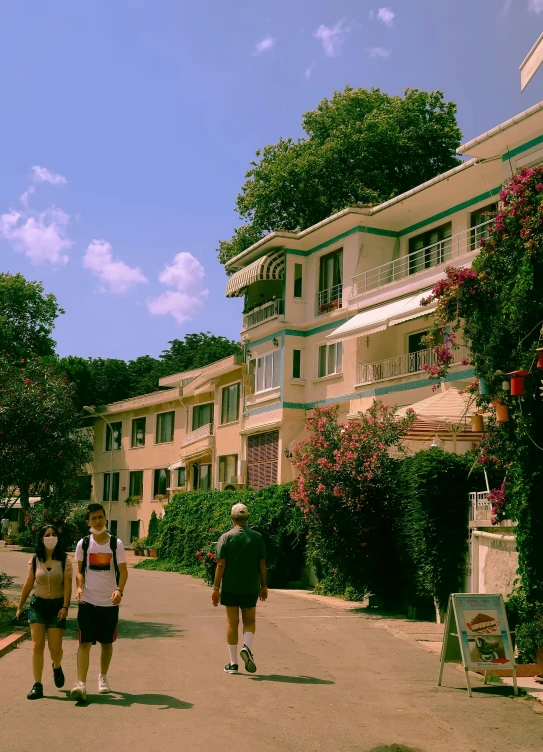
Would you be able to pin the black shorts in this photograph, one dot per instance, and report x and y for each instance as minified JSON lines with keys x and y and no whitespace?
{"x":239,"y":600}
{"x":45,"y":611}
{"x":97,"y":623}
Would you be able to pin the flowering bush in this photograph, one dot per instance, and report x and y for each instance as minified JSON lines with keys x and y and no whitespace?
{"x":209,"y":560}
{"x":346,"y":490}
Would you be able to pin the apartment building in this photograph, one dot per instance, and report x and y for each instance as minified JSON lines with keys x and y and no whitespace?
{"x":184,"y":437}
{"x":332,"y":314}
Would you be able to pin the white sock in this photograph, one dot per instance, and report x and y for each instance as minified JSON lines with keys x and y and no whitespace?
{"x":233,"y":650}
{"x":248,"y":639}
{"x":102,"y":676}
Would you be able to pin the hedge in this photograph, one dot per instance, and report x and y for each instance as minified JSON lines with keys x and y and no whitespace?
{"x":195,"y":520}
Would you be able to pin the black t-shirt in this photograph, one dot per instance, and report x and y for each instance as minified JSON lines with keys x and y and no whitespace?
{"x":242,"y":548}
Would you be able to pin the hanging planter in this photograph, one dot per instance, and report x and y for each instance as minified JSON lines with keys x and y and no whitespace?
{"x":483,"y":387}
{"x":502,"y":412}
{"x":477,"y":425}
{"x":505,"y":386}
{"x":517,"y":382}
{"x":539,"y":352}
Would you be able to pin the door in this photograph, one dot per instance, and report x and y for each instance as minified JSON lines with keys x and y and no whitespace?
{"x":262,"y":459}
{"x":133,"y":530}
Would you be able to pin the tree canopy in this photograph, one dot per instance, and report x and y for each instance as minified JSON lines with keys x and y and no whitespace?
{"x":362,"y":146}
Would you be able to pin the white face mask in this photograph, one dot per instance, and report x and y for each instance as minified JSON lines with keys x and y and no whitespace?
{"x":50,"y":542}
{"x":97,"y":532}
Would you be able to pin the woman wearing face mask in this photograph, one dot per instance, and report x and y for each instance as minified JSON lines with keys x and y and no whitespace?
{"x":50,"y":577}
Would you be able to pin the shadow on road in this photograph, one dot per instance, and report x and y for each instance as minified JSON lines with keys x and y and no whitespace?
{"x":134,"y":630}
{"x":289,"y":679}
{"x":126,"y":700}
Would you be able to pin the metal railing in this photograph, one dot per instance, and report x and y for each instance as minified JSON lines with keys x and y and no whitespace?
{"x":417,"y":261}
{"x":264,"y":312}
{"x":480,"y":507}
{"x":403,"y":365}
{"x":199,"y":433}
{"x":329,"y":300}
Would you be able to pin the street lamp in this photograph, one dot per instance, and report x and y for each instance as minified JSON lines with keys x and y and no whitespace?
{"x":92,"y":411}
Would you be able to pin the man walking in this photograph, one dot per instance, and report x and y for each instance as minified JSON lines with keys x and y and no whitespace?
{"x":101,"y":578}
{"x":242,"y":570}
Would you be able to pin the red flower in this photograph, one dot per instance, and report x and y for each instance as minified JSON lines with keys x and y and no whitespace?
{"x":27,"y":381}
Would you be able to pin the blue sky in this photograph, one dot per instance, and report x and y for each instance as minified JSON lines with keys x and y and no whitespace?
{"x":128,"y":126}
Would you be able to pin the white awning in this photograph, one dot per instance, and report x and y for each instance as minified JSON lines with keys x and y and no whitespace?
{"x":176,"y":464}
{"x":379,"y":318}
{"x":271,"y":266}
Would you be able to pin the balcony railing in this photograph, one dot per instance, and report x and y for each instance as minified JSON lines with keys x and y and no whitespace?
{"x":329,"y":300}
{"x":480,"y":508}
{"x":199,"y":433}
{"x":264,"y":312}
{"x":403,"y":365}
{"x":433,"y":255}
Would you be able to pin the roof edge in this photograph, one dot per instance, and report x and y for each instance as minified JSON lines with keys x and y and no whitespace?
{"x":465,"y":148}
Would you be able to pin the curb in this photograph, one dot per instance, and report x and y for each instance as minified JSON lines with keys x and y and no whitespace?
{"x":11,"y":642}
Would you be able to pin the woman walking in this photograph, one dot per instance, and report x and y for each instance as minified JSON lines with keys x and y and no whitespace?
{"x":50,"y":577}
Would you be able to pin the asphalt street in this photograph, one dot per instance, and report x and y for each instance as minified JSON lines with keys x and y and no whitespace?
{"x":326,"y":680}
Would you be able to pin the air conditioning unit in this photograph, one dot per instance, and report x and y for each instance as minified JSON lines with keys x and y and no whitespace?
{"x":227,"y":486}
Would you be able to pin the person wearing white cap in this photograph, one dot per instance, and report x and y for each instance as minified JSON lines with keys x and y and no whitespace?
{"x":241,"y":569}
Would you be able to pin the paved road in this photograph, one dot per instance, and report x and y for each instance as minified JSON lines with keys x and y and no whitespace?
{"x":327,"y":680}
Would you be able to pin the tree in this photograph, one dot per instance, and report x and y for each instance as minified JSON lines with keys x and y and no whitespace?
{"x":348,"y":493}
{"x":362,"y":146}
{"x":41,"y":446}
{"x":197,"y":351}
{"x":27,"y":318}
{"x":498,"y":305}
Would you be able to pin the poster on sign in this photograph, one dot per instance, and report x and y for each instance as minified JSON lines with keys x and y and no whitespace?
{"x":477,"y":635}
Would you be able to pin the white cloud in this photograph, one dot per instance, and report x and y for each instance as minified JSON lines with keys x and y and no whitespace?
{"x":308,"y":71}
{"x":506,"y":7}
{"x":381,"y":52}
{"x":117,"y":276}
{"x":42,"y":237}
{"x":43,"y":175}
{"x":332,"y":37}
{"x":186,"y":275}
{"x":535,"y":6}
{"x":25,"y":196}
{"x":386,"y":16}
{"x":268,"y":43}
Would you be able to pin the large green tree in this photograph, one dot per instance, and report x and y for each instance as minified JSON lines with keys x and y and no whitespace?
{"x":27,"y":318}
{"x":362,"y":146}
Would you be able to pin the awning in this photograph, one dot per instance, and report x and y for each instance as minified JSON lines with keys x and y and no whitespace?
{"x":271,"y":266}
{"x":379,"y":318}
{"x":176,"y":464}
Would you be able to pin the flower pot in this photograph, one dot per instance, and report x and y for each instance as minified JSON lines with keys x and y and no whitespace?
{"x":502,"y":413}
{"x":517,"y":382}
{"x":477,"y":425}
{"x":146,"y":551}
{"x":483,"y":387}
{"x":153,"y":553}
{"x":539,"y":352}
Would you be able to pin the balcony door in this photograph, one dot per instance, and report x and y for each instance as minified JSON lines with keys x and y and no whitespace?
{"x":429,"y":249}
{"x":331,"y":278}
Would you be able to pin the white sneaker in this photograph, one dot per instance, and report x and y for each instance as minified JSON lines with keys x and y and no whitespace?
{"x":79,"y":692}
{"x":103,"y":686}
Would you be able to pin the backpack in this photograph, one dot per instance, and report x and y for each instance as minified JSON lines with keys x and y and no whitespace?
{"x":35,"y":563}
{"x":112,"y":545}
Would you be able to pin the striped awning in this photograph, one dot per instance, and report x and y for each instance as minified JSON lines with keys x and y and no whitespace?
{"x":271,"y":266}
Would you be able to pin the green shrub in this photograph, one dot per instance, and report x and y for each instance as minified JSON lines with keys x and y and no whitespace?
{"x":154,"y":527}
{"x":26,"y":538}
{"x":195,"y":520}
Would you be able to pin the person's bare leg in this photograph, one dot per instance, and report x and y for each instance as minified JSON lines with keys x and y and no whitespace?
{"x":83,"y":655}
{"x":232,"y":626}
{"x":54,"y":640}
{"x":38,"y":648}
{"x":105,"y":658}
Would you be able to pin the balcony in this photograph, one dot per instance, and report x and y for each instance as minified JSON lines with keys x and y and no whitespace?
{"x":480,"y":507}
{"x":403,"y":365}
{"x":263,"y":312}
{"x":200,"y":433}
{"x":433,"y":255}
{"x":329,"y":300}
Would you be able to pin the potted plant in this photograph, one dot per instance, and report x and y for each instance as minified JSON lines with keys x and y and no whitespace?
{"x":153,"y":553}
{"x":333,"y":305}
{"x":161,"y":497}
{"x":132,"y":501}
{"x":138,"y":544}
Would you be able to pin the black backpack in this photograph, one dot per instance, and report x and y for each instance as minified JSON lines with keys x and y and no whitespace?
{"x":112,"y":545}
{"x":35,"y":560}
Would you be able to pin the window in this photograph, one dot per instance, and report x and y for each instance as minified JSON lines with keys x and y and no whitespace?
{"x":479,"y":217}
{"x":298,"y":289}
{"x":201,"y":479}
{"x":161,"y":481}
{"x":135,"y":486}
{"x":111,"y":487}
{"x":134,"y":530}
{"x":181,"y":477}
{"x":202,"y":415}
{"x":138,"y":432}
{"x":296,"y":364}
{"x":265,"y":372}
{"x":415,"y":342}
{"x":113,"y":528}
{"x":330,"y":359}
{"x":230,"y":403}
{"x":228,"y":468}
{"x":164,"y":427}
{"x":115,"y":429}
{"x":330,"y":270}
{"x":262,"y":459}
{"x":430,"y":249}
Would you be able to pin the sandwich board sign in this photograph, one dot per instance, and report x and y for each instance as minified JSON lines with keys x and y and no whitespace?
{"x":477,"y":635}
